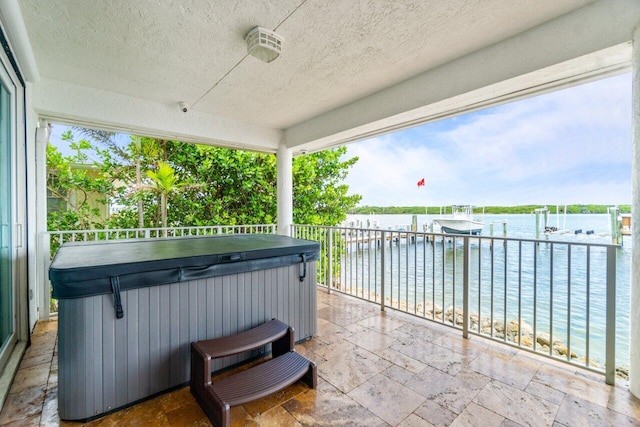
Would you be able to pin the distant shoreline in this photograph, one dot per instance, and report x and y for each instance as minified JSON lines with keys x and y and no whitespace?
{"x":520,"y":209}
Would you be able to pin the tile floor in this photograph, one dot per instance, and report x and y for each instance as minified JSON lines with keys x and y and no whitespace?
{"x":375,"y":369}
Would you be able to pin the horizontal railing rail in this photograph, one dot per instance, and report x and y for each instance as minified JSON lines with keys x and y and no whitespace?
{"x":556,"y":298}
{"x":151,"y":233}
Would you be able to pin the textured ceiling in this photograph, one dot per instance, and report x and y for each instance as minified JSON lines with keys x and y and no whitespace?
{"x":334,"y":52}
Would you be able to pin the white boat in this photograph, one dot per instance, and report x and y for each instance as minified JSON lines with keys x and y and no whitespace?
{"x":460,"y":221}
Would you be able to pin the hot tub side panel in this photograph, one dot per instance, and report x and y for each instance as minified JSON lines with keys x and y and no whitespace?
{"x":106,"y":363}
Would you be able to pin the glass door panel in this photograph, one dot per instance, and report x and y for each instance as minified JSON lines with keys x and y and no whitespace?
{"x":6,"y":261}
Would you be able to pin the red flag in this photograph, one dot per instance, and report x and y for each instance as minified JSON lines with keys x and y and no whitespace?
{"x":421,"y":183}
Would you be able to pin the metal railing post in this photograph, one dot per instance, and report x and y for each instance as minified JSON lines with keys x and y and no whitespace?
{"x":610,"y":361}
{"x":383,"y":239}
{"x":466,"y":277}
{"x":330,"y":261}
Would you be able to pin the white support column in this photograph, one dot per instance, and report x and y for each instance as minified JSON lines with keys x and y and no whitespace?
{"x":39,"y":206}
{"x":634,"y":308}
{"x":285,"y":189}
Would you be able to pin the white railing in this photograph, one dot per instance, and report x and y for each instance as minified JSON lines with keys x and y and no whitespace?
{"x":152,"y":233}
{"x":51,"y":241}
{"x":550,"y":297}
{"x":555,"y":298}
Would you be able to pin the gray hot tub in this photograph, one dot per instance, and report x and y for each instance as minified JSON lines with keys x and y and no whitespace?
{"x":129,"y":309}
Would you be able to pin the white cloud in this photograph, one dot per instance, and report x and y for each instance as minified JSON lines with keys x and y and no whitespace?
{"x":570,"y":146}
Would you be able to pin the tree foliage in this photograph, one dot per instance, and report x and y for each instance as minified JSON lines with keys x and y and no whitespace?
{"x":153,"y":182}
{"x":319,"y":195}
{"x":76,"y":187}
{"x":234,"y":187}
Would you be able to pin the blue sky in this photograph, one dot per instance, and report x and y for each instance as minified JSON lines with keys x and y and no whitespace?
{"x":568,"y":146}
{"x":56,"y":139}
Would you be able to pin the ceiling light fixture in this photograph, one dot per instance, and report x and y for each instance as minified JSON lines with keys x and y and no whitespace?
{"x":264,"y":44}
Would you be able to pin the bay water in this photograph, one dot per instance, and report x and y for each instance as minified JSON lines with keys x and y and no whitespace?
{"x":523,"y":226}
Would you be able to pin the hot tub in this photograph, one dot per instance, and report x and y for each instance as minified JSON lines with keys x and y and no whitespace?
{"x":128,"y":310}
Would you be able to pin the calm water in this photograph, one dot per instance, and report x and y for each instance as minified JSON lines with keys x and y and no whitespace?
{"x":412,"y":284}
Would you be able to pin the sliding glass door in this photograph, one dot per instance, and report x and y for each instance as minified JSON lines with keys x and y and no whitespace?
{"x":7,"y":203}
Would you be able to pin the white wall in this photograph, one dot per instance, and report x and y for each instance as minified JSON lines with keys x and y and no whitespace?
{"x":34,"y":223}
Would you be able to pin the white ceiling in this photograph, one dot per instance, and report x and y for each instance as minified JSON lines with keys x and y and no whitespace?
{"x":335,"y":52}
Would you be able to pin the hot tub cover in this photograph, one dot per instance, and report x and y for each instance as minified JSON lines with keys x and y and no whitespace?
{"x":82,"y":269}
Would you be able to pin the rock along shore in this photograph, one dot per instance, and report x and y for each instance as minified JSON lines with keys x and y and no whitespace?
{"x":517,"y":332}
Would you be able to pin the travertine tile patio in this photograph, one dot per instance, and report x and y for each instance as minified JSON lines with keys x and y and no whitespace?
{"x":375,"y":369}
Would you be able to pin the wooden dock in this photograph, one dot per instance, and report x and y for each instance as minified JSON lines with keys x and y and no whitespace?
{"x":376,"y":237}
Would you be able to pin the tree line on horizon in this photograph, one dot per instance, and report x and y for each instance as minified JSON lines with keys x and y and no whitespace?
{"x":519,"y":209}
